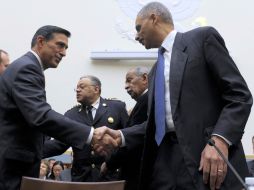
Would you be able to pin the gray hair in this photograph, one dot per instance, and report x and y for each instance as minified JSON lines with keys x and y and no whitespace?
{"x":158,"y":9}
{"x":94,"y":80}
{"x":139,"y":71}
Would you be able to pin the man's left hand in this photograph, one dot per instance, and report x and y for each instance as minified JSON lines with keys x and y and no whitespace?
{"x":213,"y":166}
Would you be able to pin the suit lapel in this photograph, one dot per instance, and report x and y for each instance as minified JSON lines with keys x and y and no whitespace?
{"x":100,"y":111}
{"x":84,"y":116}
{"x":37,"y":63}
{"x":177,"y":65}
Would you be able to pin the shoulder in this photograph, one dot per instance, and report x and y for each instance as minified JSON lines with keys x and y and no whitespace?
{"x":201,"y":33}
{"x":113,"y":101}
{"x":75,"y":109}
{"x":205,"y":29}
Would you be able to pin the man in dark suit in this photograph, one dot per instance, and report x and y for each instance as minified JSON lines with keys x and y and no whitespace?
{"x":104,"y":112}
{"x":24,"y":113}
{"x":136,"y":84}
{"x":195,"y":93}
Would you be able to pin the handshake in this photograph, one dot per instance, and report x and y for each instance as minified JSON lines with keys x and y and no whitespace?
{"x":105,"y":140}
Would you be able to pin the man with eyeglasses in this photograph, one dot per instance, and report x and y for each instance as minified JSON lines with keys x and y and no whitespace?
{"x":94,"y":111}
{"x":4,"y":61}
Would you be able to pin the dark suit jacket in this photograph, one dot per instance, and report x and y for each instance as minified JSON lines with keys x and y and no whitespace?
{"x":129,"y":161}
{"x":25,"y":116}
{"x":86,"y":165}
{"x":207,"y":95}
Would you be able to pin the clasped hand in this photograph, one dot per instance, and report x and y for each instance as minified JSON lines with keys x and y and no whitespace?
{"x":105,"y":140}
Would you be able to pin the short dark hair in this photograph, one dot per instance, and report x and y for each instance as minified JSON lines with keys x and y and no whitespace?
{"x":2,"y":51}
{"x":47,"y":32}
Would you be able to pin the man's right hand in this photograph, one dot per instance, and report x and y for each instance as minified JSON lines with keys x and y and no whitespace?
{"x":105,"y":140}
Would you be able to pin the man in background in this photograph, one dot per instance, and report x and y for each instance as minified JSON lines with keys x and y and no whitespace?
{"x":136,"y":85}
{"x":4,"y":60}
{"x":95,"y":111}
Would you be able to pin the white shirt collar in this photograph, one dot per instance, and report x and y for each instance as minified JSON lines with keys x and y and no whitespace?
{"x":38,"y":58}
{"x":96,"y":103}
{"x":169,"y":41}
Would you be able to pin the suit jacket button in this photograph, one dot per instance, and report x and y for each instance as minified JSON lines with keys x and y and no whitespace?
{"x":93,"y":165}
{"x":92,"y":152}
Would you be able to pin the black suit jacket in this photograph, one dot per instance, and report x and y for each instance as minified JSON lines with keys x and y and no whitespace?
{"x":208,"y":96}
{"x":129,"y":160}
{"x":86,"y":165}
{"x":25,"y":116}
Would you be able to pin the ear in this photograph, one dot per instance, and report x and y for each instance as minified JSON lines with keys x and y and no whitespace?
{"x":154,"y":18}
{"x":145,"y":78}
{"x":40,"y":41}
{"x":97,"y":89}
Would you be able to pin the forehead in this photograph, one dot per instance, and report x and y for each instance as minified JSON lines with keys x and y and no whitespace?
{"x":84,"y":81}
{"x":57,"y":166}
{"x":131,"y":74}
{"x":138,"y":20}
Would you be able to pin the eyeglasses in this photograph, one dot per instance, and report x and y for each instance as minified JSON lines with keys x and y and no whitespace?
{"x":82,"y":87}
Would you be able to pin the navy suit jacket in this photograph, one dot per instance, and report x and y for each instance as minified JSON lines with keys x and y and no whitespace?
{"x":208,"y":96}
{"x":86,"y":164}
{"x":24,"y":117}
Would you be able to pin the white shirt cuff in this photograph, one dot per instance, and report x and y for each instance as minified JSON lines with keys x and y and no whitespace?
{"x":123,"y":139}
{"x":89,"y":139}
{"x":226,"y":140}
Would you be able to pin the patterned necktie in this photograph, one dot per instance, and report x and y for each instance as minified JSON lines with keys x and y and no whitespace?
{"x":159,"y":94}
{"x":89,"y":113}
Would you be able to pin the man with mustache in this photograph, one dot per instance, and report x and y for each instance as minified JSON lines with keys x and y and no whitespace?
{"x":93,"y":111}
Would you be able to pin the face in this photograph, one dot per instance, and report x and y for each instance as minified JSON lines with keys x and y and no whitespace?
{"x":57,"y":169}
{"x":43,"y":170}
{"x":146,"y":33}
{"x":5,"y":62}
{"x":53,"y":50}
{"x":135,"y":85}
{"x":51,"y":163}
{"x":87,"y":93}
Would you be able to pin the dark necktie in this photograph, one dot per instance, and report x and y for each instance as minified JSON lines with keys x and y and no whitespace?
{"x":159,"y":97}
{"x":89,"y":113}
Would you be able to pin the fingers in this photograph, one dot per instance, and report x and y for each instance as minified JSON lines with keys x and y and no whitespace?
{"x":105,"y":140}
{"x":213,"y":166}
{"x":221,"y":174}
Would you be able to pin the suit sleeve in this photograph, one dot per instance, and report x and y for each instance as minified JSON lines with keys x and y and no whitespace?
{"x":54,"y":148}
{"x":134,"y":136}
{"x":235,"y":93}
{"x":29,"y":94}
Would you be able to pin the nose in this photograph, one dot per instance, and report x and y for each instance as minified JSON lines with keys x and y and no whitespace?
{"x":63,"y":52}
{"x":137,"y":37}
{"x":126,"y":86}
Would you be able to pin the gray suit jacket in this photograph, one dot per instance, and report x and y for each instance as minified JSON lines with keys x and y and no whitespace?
{"x":24,"y":117}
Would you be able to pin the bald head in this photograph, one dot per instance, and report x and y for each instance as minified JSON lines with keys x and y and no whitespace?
{"x":4,"y":60}
{"x":159,"y":10}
